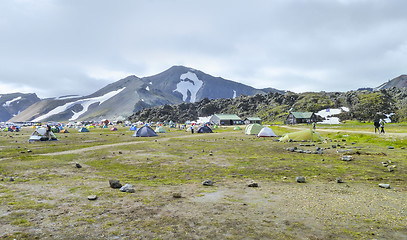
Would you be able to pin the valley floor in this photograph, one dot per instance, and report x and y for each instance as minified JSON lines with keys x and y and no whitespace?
{"x":48,"y":197}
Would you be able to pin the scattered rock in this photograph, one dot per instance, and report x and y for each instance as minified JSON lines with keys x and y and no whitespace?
{"x":78,"y":165}
{"x":210,"y":154}
{"x":11,"y":179}
{"x":207,"y":183}
{"x":390,"y":168}
{"x":300,"y":179}
{"x":176,"y":195}
{"x":127,"y":188}
{"x":384,"y":185}
{"x":339,"y":180}
{"x":29,"y":151}
{"x":115,"y":184}
{"x":333,"y":146}
{"x":390,"y":147}
{"x":253,"y":184}
{"x":92,"y":197}
{"x":347,"y":158}
{"x":120,"y":152}
{"x":385,"y":164}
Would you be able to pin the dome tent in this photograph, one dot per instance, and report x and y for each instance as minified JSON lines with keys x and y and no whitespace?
{"x":83,"y":130}
{"x":145,"y":131}
{"x":253,"y":129}
{"x":266,"y":132}
{"x":40,"y":134}
{"x":204,"y":129}
{"x":237,"y":128}
{"x":304,"y":135}
{"x":133,"y":128}
{"x":160,"y":129}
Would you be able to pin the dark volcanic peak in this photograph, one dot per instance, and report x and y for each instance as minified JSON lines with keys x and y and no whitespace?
{"x":398,"y":82}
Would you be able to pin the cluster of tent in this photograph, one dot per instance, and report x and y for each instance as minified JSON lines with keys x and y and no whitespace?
{"x":259,"y":130}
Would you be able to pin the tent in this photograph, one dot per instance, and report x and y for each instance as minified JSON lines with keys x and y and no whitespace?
{"x":83,"y":130}
{"x":266,"y":132}
{"x":133,"y":128}
{"x":253,"y":129}
{"x":40,"y":134}
{"x":145,"y":131}
{"x":237,"y":128}
{"x":8,"y":129}
{"x":304,"y":135}
{"x":160,"y":129}
{"x":64,"y":131}
{"x":113,"y":129}
{"x":204,"y":129}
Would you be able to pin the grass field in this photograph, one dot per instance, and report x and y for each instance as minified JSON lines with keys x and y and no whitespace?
{"x":48,"y":197}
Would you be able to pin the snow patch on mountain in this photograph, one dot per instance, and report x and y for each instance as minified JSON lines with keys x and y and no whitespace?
{"x":84,"y":102}
{"x":328,"y":114}
{"x":7,"y":104}
{"x":189,"y":82}
{"x":148,"y":88}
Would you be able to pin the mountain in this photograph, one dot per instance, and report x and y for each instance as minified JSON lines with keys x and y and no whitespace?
{"x":14,"y":103}
{"x":121,"y":99}
{"x":398,"y":82}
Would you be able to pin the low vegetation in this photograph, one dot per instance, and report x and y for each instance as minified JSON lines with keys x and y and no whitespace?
{"x":47,"y":198}
{"x":274,"y":107}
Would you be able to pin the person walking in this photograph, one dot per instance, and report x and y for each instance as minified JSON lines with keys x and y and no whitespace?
{"x":376,"y":126}
{"x":382,"y":126}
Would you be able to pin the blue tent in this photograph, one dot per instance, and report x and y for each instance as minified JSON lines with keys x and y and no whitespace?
{"x":83,"y":130}
{"x":133,"y":128}
{"x":145,"y":132}
{"x":204,"y":129}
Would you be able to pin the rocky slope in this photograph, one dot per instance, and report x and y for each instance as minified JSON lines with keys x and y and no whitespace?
{"x":398,"y":82}
{"x":14,"y":103}
{"x":121,"y":99}
{"x":363,"y":105}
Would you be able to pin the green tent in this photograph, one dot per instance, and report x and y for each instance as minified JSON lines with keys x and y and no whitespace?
{"x":253,"y":129}
{"x":160,"y":129}
{"x":237,"y":128}
{"x":304,"y":135}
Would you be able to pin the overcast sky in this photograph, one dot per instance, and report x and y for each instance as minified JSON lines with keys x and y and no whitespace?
{"x":60,"y":47}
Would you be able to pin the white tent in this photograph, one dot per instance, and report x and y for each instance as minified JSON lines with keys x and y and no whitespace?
{"x":40,"y":134}
{"x":266,"y":132}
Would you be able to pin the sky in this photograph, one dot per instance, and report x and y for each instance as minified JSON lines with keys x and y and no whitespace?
{"x":62,"y":47}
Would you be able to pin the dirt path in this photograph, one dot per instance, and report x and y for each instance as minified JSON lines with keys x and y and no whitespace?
{"x":81,"y":150}
{"x":399,"y":135}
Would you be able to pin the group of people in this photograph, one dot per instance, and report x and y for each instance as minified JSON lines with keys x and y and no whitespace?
{"x":379,"y":126}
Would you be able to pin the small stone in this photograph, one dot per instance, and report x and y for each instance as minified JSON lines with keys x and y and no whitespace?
{"x":92,"y":197}
{"x":11,"y":179}
{"x":78,"y":165}
{"x":333,"y":146}
{"x":347,"y":158}
{"x":127,"y":188}
{"x":253,"y":184}
{"x":210,"y":154}
{"x":176,"y":195}
{"x":390,"y":147}
{"x":384,"y":185}
{"x":385,"y":164}
{"x":390,"y":168}
{"x":120,"y":152}
{"x":29,"y":151}
{"x":339,"y":180}
{"x":300,"y":179}
{"x":115,"y":184}
{"x":207,"y":183}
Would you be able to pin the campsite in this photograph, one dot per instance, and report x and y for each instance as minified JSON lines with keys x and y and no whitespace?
{"x":45,"y":195}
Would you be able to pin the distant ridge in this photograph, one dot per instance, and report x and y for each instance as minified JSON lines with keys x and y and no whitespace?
{"x":122,"y":98}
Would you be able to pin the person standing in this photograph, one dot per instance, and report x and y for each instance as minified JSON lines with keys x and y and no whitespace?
{"x":382,"y":126}
{"x":376,"y":126}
